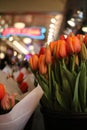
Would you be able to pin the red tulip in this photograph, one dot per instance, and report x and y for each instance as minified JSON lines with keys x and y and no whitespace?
{"x":2,"y":91}
{"x":61,"y":51}
{"x":24,"y":87}
{"x":20,"y":77}
{"x":62,"y":37}
{"x":42,"y":50}
{"x":73,"y":44}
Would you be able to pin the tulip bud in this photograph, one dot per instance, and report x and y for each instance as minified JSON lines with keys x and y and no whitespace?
{"x":34,"y":62}
{"x":52,"y":46}
{"x":73,"y":44}
{"x":48,"y":55}
{"x":42,"y":64}
{"x":61,"y":51}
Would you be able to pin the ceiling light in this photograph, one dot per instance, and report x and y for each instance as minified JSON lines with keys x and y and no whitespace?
{"x":71,"y":22}
{"x":27,"y":40}
{"x":53,"y":20}
{"x":84,"y":29}
{"x":59,"y":16}
{"x":15,"y":53}
{"x":31,"y":47}
{"x":20,"y":47}
{"x":19,"y":56}
{"x":51,"y":30}
{"x":52,"y":25}
{"x":80,"y":14}
{"x":10,"y":38}
{"x":19,"y":25}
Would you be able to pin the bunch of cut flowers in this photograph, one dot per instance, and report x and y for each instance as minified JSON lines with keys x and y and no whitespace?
{"x":61,"y":70}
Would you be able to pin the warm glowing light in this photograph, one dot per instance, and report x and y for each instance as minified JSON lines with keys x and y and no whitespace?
{"x":71,"y":22}
{"x":19,"y":25}
{"x":53,"y":20}
{"x":15,"y":53}
{"x":27,"y":40}
{"x":20,"y":47}
{"x":2,"y":55}
{"x":84,"y":29}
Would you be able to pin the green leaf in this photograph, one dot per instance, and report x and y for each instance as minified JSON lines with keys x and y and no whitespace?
{"x":82,"y":86}
{"x":59,"y":94}
{"x":43,"y":78}
{"x":70,"y":77}
{"x":49,"y":78}
{"x":57,"y":72}
{"x":76,"y":104}
{"x":43,"y":85}
{"x":66,"y":88}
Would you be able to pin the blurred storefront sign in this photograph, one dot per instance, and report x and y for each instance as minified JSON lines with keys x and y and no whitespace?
{"x":32,"y":32}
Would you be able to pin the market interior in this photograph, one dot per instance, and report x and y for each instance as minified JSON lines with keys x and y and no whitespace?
{"x":24,"y":30}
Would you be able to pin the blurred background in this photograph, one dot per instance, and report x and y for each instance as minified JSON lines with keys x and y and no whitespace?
{"x":27,"y":25}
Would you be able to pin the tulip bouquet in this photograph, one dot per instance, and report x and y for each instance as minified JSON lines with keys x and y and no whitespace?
{"x":61,"y":70}
{"x":16,"y":107}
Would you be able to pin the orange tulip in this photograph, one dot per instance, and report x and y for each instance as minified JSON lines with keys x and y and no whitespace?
{"x":52,"y":46}
{"x":8,"y":101}
{"x":2,"y":91}
{"x":34,"y":62}
{"x":42,"y":64}
{"x":48,"y":55}
{"x":61,"y":51}
{"x":73,"y":44}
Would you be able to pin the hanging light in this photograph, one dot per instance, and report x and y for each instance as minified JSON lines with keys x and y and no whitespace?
{"x":71,"y":22}
{"x":84,"y":29}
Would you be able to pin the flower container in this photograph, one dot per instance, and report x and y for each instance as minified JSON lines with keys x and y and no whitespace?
{"x":61,"y":120}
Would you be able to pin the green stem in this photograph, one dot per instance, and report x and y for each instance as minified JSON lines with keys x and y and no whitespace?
{"x":73,"y":63}
{"x":49,"y":75}
{"x":63,"y":62}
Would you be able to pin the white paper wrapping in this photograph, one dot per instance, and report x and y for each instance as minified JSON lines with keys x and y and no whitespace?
{"x":10,"y":84}
{"x":17,"y":118}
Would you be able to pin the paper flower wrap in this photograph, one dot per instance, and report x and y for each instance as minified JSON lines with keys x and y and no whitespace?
{"x":17,"y":118}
